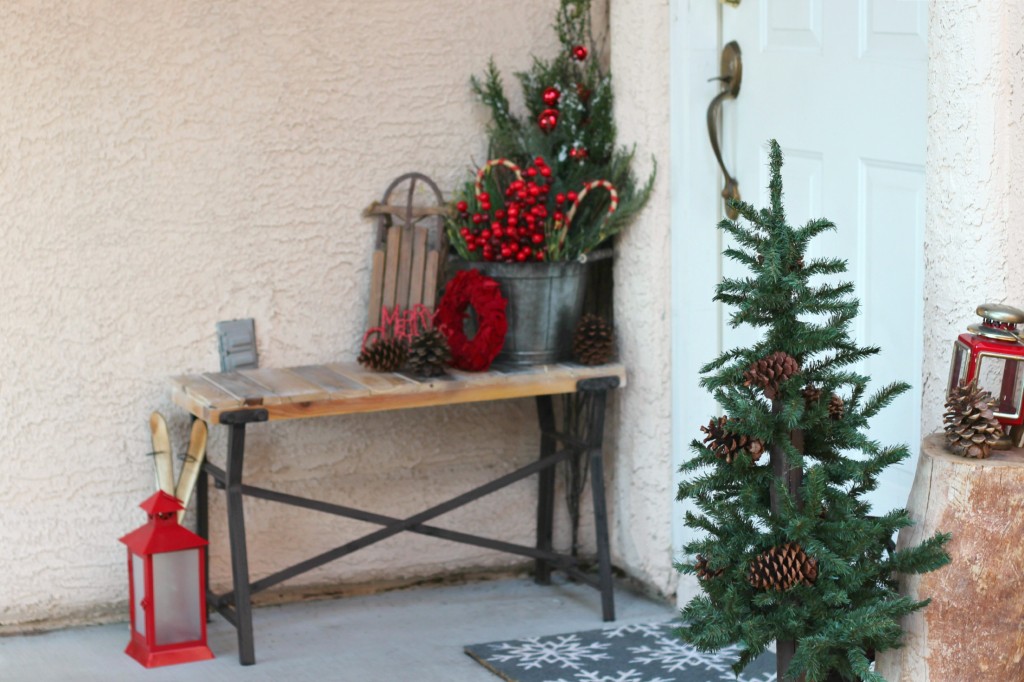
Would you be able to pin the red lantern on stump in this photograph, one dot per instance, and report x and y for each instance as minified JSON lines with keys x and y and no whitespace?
{"x":166,"y":565}
{"x":993,"y":353}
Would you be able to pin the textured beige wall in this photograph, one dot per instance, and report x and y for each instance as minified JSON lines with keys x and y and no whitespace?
{"x":643,"y":494}
{"x":165,"y":165}
{"x":975,"y":171}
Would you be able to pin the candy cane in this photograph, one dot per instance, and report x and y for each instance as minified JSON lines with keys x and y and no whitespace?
{"x":594,"y":184}
{"x":482,"y":173}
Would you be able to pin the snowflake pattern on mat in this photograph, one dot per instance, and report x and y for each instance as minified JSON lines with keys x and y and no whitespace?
{"x":618,"y":676}
{"x":642,"y":629}
{"x":648,"y":652}
{"x":566,"y":651}
{"x":673,"y":655}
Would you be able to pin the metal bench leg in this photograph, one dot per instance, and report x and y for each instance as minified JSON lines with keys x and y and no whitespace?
{"x":236,"y":535}
{"x":203,"y":528}
{"x":595,"y":430}
{"x":545,"y":489}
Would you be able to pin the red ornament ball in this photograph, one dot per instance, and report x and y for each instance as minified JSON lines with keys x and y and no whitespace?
{"x":462,"y":206}
{"x":551,"y":96}
{"x":548,"y":120}
{"x":579,"y":52}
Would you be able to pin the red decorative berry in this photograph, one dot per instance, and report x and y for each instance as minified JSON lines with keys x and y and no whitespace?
{"x":547,"y":120}
{"x":578,"y":153}
{"x":579,"y":52}
{"x":551,"y":96}
{"x":462,"y":206}
{"x":571,"y":196}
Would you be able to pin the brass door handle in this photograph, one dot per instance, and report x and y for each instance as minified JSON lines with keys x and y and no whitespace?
{"x":731,"y":74}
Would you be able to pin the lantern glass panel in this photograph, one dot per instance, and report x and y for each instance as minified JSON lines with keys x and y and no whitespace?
{"x":176,"y":611}
{"x":1004,"y":378}
{"x":139,"y":592}
{"x":958,"y":370}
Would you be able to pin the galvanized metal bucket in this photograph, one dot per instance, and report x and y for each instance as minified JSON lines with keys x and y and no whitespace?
{"x":544,"y":305}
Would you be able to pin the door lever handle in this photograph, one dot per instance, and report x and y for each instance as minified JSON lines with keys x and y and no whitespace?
{"x":731,"y":75}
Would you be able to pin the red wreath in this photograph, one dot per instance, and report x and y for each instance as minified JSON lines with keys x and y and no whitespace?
{"x":470,"y":288}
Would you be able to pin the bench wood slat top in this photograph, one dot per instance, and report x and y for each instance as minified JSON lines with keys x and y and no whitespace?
{"x":348,"y":388}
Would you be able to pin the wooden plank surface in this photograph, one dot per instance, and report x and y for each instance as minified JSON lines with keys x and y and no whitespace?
{"x":336,"y":385}
{"x":405,"y":254}
{"x":391,"y":266}
{"x":286,"y":384}
{"x":248,"y":391}
{"x":419,"y":262}
{"x":376,"y":289}
{"x":377,"y":382}
{"x":430,"y":279}
{"x":199,"y":389}
{"x":351,"y":389}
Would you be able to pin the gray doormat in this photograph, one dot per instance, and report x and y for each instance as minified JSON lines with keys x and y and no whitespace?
{"x":647,"y":652}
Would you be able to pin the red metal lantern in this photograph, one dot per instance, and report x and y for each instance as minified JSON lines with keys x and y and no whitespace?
{"x":993,"y":353}
{"x":166,"y":565}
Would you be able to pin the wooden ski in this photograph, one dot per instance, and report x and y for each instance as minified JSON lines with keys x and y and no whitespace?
{"x":163,"y":459}
{"x":193,"y":466}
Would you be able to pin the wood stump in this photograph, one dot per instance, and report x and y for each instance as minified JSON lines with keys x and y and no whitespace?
{"x":974,"y":627}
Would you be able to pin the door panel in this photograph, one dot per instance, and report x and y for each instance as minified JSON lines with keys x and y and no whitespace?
{"x":842,"y":86}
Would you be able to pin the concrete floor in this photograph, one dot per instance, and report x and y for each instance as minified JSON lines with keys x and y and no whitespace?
{"x":411,"y":635}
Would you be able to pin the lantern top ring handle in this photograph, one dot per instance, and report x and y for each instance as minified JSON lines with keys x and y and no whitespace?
{"x":997,"y":312}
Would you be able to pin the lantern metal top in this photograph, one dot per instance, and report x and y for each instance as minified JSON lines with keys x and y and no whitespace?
{"x":998,"y":322}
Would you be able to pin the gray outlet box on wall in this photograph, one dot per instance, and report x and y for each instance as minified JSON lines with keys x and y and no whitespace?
{"x":236,"y":340}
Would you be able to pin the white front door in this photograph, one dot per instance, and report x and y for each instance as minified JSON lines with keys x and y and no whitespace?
{"x":841,"y":84}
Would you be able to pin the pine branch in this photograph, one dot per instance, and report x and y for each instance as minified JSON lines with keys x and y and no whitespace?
{"x":883,"y":398}
{"x":775,"y":184}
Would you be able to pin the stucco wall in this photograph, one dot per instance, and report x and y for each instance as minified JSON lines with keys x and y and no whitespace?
{"x":167,"y":165}
{"x":975,"y":171}
{"x":643,"y":494}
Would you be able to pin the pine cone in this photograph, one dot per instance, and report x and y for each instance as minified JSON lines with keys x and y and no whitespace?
{"x":429,"y":353}
{"x":593,"y":342}
{"x":384,"y":355}
{"x":728,"y":445}
{"x":780,"y":568}
{"x":835,"y":407}
{"x":812,"y":394}
{"x":970,"y":421}
{"x":703,"y":572}
{"x":770,"y":372}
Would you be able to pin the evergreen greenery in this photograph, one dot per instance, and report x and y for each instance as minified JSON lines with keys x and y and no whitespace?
{"x":585,"y":124}
{"x":853,"y":607}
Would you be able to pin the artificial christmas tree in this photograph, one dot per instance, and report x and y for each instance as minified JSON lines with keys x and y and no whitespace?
{"x":801,"y":559}
{"x":568,"y":123}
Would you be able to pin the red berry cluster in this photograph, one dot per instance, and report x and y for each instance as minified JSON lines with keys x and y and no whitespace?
{"x":519,"y":229}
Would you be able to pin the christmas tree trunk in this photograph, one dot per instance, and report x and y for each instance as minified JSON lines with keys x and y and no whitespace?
{"x":789,"y":551}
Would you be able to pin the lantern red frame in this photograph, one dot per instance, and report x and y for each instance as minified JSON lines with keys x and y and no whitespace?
{"x":163,"y":535}
{"x":975,"y":348}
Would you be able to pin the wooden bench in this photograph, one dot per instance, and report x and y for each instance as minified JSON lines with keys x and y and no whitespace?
{"x":240,"y":398}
